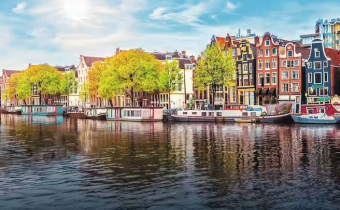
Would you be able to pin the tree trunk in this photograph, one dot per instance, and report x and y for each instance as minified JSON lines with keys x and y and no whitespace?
{"x":213,"y":97}
{"x":169,"y":100}
{"x":111,"y":102}
{"x":132,"y":97}
{"x":39,"y":97}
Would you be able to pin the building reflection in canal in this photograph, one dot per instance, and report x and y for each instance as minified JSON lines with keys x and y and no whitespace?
{"x":186,"y":165}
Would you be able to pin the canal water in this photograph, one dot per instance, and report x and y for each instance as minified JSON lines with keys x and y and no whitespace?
{"x":59,"y":163}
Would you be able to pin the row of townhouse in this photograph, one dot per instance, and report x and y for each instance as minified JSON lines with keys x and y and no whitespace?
{"x":270,"y":70}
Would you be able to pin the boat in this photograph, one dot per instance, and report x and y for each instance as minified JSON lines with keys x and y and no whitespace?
{"x":320,"y":118}
{"x":245,"y":120}
{"x":95,"y":113}
{"x":42,"y":110}
{"x":227,"y":115}
{"x":141,"y":114}
{"x":283,"y":118}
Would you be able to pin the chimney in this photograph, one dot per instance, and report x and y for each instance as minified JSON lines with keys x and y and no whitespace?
{"x":117,"y":50}
{"x":257,"y":40}
{"x":192,"y":58}
{"x":183,"y":53}
{"x":176,"y":54}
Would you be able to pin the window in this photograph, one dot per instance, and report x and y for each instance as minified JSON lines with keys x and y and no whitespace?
{"x":245,"y":68}
{"x":267,"y":52}
{"x":317,"y":78}
{"x":267,"y":81}
{"x":274,"y":63}
{"x":219,"y":114}
{"x":179,"y":86}
{"x":284,"y":87}
{"x":309,"y":65}
{"x":285,"y":75}
{"x":310,"y":111}
{"x":274,"y":78}
{"x":245,"y":57}
{"x":325,"y":64}
{"x":240,"y":81}
{"x":325,"y":77}
{"x":267,"y":64}
{"x":321,"y":110}
{"x":260,"y":77}
{"x":317,"y":64}
{"x":188,"y":66}
{"x":284,"y":63}
{"x":251,"y":82}
{"x":290,"y":64}
{"x":245,"y":80}
{"x":295,"y":75}
{"x":250,"y":67}
{"x":296,"y":62}
{"x":290,"y":53}
{"x":233,"y":94}
{"x":260,"y":64}
{"x":267,"y":43}
{"x":317,"y":53}
{"x":260,"y":53}
{"x":274,"y":51}
{"x":323,"y":91}
{"x":239,"y":68}
{"x":295,"y":87}
{"x":168,"y":57}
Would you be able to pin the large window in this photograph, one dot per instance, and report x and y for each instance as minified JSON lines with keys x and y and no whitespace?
{"x":317,"y":78}
{"x":284,"y":63}
{"x":267,"y":64}
{"x":295,"y":87}
{"x":290,"y":64}
{"x":274,"y":78}
{"x":245,"y":57}
{"x":275,"y":63}
{"x":296,"y":62}
{"x":285,"y":75}
{"x":295,"y":75}
{"x":284,"y":87}
{"x":245,"y":68}
{"x":325,"y":77}
{"x":267,"y":79}
{"x":317,"y":64}
{"x":245,"y":80}
{"x":323,"y":91}
{"x":260,"y":82}
{"x":267,"y":43}
{"x":274,"y":51}
{"x":267,"y":52}
{"x":260,"y":53}
{"x":260,"y":64}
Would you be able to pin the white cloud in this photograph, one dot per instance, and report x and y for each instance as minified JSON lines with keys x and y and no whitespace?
{"x":19,"y":8}
{"x":231,"y":7}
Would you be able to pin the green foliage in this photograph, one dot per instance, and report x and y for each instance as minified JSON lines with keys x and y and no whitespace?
{"x":84,"y":92}
{"x":68,"y":83}
{"x":171,"y":77}
{"x":191,"y":103}
{"x":94,"y":77}
{"x":23,"y":90}
{"x":5,"y":95}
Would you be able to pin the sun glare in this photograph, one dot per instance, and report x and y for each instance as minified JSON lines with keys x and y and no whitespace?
{"x":75,"y":10}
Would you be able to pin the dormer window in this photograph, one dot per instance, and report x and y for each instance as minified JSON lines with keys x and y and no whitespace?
{"x":317,"y":53}
{"x":168,"y":57}
{"x":67,"y":69}
{"x":267,"y":43}
{"x":188,"y":66}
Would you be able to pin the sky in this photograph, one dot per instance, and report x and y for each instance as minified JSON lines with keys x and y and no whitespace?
{"x":57,"y":32}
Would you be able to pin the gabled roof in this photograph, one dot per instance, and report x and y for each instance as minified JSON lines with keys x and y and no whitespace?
{"x":220,"y":41}
{"x":303,"y":51}
{"x":9,"y":72}
{"x":333,"y":55}
{"x":62,"y":68}
{"x":183,"y":61}
{"x":90,"y":60}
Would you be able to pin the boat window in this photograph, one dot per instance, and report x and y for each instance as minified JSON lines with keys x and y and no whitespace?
{"x":204,"y":114}
{"x":253,"y":114}
{"x":219,"y":113}
{"x":211,"y":114}
{"x":311,"y":117}
{"x":316,"y":117}
{"x":194,"y":113}
{"x":310,"y":111}
{"x":244,"y":113}
{"x":185,"y":113}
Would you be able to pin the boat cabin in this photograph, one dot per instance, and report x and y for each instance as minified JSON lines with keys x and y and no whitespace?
{"x":135,"y":113}
{"x":42,"y":109}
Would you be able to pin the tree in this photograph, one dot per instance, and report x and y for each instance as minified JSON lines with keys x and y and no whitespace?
{"x":45,"y":78}
{"x":13,"y":84}
{"x":215,"y":68}
{"x":94,"y":77}
{"x":24,"y":87}
{"x":171,"y":78}
{"x":84,"y":92}
{"x":6,"y":96}
{"x":69,"y":83}
{"x":129,"y":71}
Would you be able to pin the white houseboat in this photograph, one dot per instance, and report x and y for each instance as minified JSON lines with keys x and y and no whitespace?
{"x":135,"y":113}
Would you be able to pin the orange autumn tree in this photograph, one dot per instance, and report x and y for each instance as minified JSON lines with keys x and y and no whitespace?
{"x":94,"y":78}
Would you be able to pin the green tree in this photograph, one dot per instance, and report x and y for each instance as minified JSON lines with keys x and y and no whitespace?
{"x":171,"y":78}
{"x":84,"y":92}
{"x":68,"y":84}
{"x":24,"y":86}
{"x":129,"y":72}
{"x":215,"y":68}
{"x":5,"y":96}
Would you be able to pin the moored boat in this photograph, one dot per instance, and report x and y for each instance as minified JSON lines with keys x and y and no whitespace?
{"x":134,"y":113}
{"x":42,"y":110}
{"x":283,"y":118}
{"x":319,"y":118}
{"x":245,"y":120}
{"x":95,"y":113}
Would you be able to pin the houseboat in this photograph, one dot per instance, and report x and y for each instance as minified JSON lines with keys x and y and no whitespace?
{"x":13,"y":110}
{"x":280,"y":118}
{"x":319,"y":118}
{"x":95,"y":113}
{"x":227,"y":115}
{"x":134,"y":113}
{"x":42,"y":110}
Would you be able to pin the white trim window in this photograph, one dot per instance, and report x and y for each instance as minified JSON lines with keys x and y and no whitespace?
{"x":267,"y":43}
{"x":310,"y":92}
{"x":309,"y":65}
{"x":295,"y":87}
{"x":274,"y":51}
{"x":260,"y":78}
{"x":260,"y":53}
{"x":296,"y":62}
{"x":239,"y":68}
{"x":250,"y":67}
{"x":310,"y":111}
{"x":317,"y":78}
{"x":245,"y":68}
{"x":285,"y":75}
{"x":323,"y":91}
{"x":316,"y":52}
{"x":267,"y":64}
{"x":260,"y":64}
{"x":267,"y":79}
{"x":295,"y":74}
{"x":267,"y":52}
{"x":317,"y":64}
{"x":310,"y":78}
{"x":274,"y":78}
{"x":274,"y":63}
{"x":245,"y":80}
{"x":290,"y":54}
{"x":325,"y":76}
{"x":325,"y":64}
{"x":284,"y":87}
{"x":284,"y":63}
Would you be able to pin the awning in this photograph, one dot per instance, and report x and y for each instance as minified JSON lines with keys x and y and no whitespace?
{"x":322,"y":99}
{"x":258,"y":91}
{"x":317,"y":86}
{"x":265,"y":91}
{"x":272,"y":91}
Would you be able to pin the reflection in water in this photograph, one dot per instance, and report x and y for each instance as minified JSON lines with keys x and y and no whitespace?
{"x":106,"y":165}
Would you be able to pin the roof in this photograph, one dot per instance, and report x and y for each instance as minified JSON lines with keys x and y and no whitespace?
{"x":90,"y":60}
{"x":334,"y":55}
{"x":62,"y":68}
{"x":309,"y":35}
{"x":304,"y":52}
{"x":10,"y":72}
{"x":220,"y":40}
{"x":183,"y":61}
